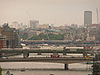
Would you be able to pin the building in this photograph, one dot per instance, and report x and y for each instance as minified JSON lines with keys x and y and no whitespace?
{"x":11,"y":36}
{"x":87,"y":18}
{"x":34,"y":23}
{"x":2,"y":41}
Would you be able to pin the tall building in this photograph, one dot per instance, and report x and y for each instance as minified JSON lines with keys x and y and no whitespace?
{"x":34,"y":23}
{"x":87,"y":18}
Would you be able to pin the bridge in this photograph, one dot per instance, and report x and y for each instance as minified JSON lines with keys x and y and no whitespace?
{"x":59,"y":42}
{"x":26,"y":52}
{"x":37,"y":50}
{"x":64,"y":60}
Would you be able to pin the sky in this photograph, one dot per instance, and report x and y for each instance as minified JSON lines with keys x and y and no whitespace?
{"x":58,"y":12}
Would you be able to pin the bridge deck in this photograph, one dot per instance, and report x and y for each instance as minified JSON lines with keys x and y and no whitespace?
{"x":37,"y":50}
{"x":47,"y":59}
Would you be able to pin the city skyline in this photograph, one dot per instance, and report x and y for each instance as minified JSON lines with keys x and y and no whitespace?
{"x":47,"y":11}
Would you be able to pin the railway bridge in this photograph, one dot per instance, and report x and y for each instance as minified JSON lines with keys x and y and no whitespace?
{"x":64,"y":60}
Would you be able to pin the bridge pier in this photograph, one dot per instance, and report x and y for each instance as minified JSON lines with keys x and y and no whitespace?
{"x":25,"y":54}
{"x":66,"y":67}
{"x":84,"y":54}
{"x":64,"y":53}
{"x":39,"y":53}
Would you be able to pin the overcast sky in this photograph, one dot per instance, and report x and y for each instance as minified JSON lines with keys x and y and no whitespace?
{"x":57,"y":12}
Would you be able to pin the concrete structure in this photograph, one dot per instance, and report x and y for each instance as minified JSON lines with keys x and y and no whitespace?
{"x":64,"y":60}
{"x":64,"y":51}
{"x":87,"y":18}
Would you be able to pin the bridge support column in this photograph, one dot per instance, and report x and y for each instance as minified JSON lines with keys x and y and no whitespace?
{"x":39,"y":53}
{"x":64,"y":53}
{"x":84,"y":54}
{"x":66,"y":67}
{"x":25,"y":54}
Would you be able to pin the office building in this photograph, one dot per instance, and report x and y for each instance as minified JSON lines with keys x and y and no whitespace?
{"x":87,"y":18}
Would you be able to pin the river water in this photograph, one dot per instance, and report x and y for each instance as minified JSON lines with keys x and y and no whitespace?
{"x":41,"y":68}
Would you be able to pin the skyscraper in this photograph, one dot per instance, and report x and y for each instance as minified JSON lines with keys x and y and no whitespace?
{"x":87,"y":18}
